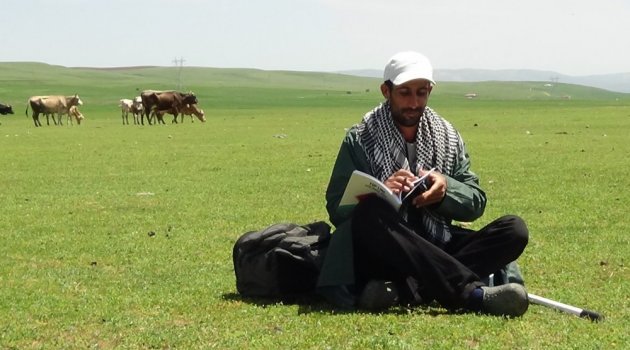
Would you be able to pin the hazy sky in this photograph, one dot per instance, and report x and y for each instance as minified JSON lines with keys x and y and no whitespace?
{"x":574,"y":37}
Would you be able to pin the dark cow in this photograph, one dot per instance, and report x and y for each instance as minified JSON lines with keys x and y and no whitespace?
{"x":168,"y":101}
{"x":5,"y":109}
{"x":49,"y":105}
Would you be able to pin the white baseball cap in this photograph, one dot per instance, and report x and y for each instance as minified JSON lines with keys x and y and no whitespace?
{"x":408,"y":65}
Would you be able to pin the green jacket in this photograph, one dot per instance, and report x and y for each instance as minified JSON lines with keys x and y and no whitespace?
{"x":464,"y":201}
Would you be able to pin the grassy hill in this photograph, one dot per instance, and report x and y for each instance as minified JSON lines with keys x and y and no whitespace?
{"x":242,"y":87}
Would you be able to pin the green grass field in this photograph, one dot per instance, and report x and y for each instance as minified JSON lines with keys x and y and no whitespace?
{"x":121,"y":236}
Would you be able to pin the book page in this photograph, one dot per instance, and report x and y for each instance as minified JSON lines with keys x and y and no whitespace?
{"x":361,"y":185}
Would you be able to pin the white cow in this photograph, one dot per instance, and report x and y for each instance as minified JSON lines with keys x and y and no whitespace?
{"x":134,"y":106}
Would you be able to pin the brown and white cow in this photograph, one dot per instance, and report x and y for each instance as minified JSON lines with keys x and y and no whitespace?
{"x":168,"y":101}
{"x":74,"y":113}
{"x":191,"y":110}
{"x":131,"y":106}
{"x":49,"y":105}
{"x":136,"y":109}
{"x":125,"y":107}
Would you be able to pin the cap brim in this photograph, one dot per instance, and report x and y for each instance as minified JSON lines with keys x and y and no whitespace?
{"x":409,"y":76}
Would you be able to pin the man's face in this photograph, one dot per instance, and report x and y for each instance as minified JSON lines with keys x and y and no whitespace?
{"x":407,"y":101}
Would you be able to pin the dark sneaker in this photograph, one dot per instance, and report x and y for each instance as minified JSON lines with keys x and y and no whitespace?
{"x":378,"y":295}
{"x":505,"y":300}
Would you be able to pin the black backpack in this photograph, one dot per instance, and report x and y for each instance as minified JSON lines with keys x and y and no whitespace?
{"x":280,"y":260}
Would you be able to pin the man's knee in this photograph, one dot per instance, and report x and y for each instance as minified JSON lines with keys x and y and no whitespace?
{"x":516,"y":227}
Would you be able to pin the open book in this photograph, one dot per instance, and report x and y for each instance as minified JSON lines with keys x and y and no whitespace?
{"x":361,"y":185}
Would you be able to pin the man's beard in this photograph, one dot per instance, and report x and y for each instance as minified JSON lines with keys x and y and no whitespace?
{"x":403,"y":118}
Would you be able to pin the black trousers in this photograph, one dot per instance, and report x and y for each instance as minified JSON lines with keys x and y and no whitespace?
{"x":386,"y":247}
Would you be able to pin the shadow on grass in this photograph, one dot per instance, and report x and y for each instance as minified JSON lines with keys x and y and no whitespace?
{"x":313,"y":303}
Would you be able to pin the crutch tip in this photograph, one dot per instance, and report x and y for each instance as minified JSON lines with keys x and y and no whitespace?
{"x":592,"y":315}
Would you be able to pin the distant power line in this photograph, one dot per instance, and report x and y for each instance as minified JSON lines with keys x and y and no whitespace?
{"x":554,"y":79}
{"x":179,"y":63}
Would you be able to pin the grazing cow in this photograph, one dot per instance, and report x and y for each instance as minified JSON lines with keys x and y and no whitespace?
{"x":193,"y":110}
{"x":5,"y":109}
{"x":168,"y":101}
{"x":187,"y":109}
{"x":49,"y":105}
{"x":73,"y":112}
{"x":134,"y":106}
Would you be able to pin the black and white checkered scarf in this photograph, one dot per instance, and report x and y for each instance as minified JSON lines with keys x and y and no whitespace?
{"x":436,"y":146}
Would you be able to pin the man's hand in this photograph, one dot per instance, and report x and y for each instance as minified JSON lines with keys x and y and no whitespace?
{"x":400,"y":181}
{"x":435,"y":193}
